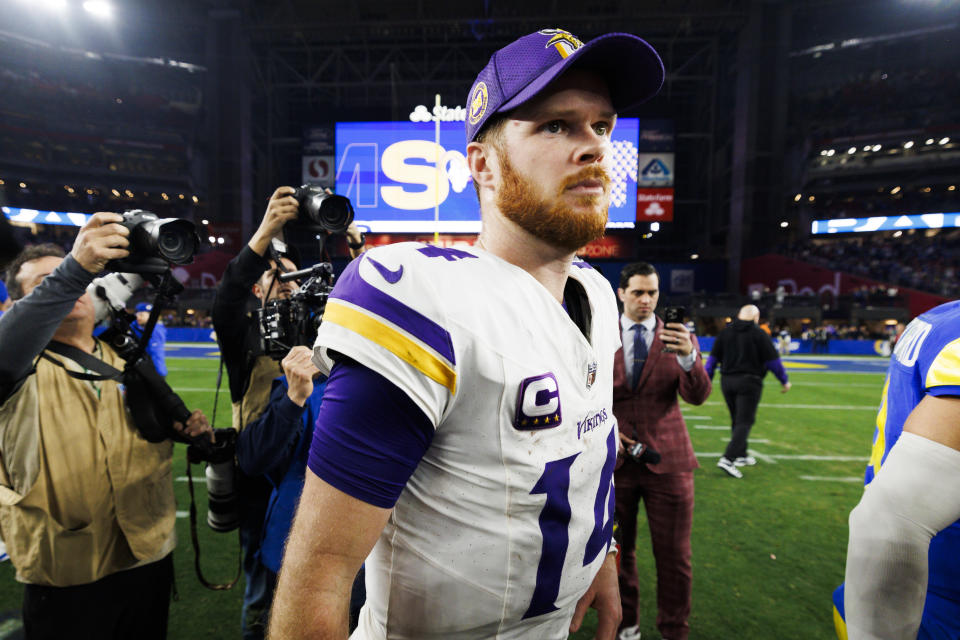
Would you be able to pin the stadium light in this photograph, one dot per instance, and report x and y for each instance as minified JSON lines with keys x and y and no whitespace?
{"x":944,"y":140}
{"x":811,"y":199}
{"x":830,"y":152}
{"x":204,"y":221}
{"x":952,"y":187}
{"x":784,"y":224}
{"x":694,"y":256}
{"x":212,"y":239}
{"x":195,"y":199}
{"x":654,"y":226}
{"x":929,"y":141}
{"x":895,"y":190}
{"x":53,"y":5}
{"x":852,"y":150}
{"x":99,"y":9}
{"x":866,"y":148}
{"x":897,"y":234}
{"x":797,"y":197}
{"x":877,"y":147}
{"x":908,"y":144}
{"x":23,"y":185}
{"x":220,"y":240}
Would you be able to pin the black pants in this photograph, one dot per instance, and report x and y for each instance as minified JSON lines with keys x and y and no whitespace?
{"x":124,"y":605}
{"x":742,"y":393}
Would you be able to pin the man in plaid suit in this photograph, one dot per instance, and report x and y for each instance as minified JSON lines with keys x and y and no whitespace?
{"x":656,"y":363}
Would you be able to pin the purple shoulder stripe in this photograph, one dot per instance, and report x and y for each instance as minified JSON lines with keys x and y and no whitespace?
{"x":582,"y":264}
{"x":355,"y":290}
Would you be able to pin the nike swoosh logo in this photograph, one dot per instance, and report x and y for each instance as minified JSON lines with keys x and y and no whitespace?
{"x":390,"y":276}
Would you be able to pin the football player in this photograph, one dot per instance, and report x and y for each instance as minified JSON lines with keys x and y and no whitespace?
{"x":466,"y":442}
{"x":903,"y":556}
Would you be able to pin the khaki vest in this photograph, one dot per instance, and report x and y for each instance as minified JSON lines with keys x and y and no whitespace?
{"x":82,"y":495}
{"x":257,"y":394}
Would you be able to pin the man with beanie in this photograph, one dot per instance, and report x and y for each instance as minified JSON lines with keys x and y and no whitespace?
{"x":745,"y":353}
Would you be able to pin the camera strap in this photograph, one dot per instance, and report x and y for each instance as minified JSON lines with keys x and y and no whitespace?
{"x":102,"y":370}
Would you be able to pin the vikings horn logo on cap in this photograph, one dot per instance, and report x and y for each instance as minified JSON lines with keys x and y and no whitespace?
{"x":564,"y":41}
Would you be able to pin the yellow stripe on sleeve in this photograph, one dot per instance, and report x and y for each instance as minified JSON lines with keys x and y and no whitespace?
{"x":393,"y":341}
{"x":880,"y":443}
{"x":945,"y":370}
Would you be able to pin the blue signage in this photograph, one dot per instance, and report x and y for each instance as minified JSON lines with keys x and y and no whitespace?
{"x":395,"y":174}
{"x":46,"y":217}
{"x":887,"y":223}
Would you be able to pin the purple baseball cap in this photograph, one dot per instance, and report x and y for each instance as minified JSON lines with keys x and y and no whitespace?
{"x":522,"y":69}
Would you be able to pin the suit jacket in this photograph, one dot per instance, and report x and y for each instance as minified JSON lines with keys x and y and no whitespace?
{"x":651,"y":412}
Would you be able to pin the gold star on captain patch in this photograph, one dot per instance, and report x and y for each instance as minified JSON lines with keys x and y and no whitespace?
{"x":523,"y":423}
{"x":536,"y":421}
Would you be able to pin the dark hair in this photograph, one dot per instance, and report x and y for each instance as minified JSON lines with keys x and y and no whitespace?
{"x":490,"y":133}
{"x":33,"y":252}
{"x":637,"y":269}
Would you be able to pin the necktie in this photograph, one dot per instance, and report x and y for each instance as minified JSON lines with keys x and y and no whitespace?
{"x":639,"y":352}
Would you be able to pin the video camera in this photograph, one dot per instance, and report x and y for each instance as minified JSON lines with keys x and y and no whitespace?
{"x":287,"y":322}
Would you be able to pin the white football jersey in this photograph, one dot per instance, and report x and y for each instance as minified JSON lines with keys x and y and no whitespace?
{"x":505,"y":522}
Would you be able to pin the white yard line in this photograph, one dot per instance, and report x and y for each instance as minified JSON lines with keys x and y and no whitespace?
{"x":851,"y":479}
{"x":711,"y":427}
{"x":195,"y":479}
{"x":688,"y":417}
{"x":183,"y":514}
{"x":839,"y":407}
{"x":803,"y":457}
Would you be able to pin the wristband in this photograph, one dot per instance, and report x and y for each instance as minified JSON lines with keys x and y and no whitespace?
{"x":359,"y":245}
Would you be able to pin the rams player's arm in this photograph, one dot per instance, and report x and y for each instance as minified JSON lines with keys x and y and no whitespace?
{"x":916,"y":493}
{"x":331,"y":536}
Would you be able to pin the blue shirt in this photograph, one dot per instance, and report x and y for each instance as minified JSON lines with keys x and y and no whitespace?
{"x":277,"y":445}
{"x":156,"y":346}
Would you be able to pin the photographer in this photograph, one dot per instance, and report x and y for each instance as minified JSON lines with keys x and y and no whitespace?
{"x":86,"y":504}
{"x":252,"y":373}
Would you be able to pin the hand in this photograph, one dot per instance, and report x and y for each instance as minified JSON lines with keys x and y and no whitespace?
{"x":101,"y":240}
{"x":785,"y":387}
{"x":604,"y":596}
{"x":677,"y":338}
{"x":299,"y":368}
{"x":197,"y":424}
{"x":281,"y":209}
{"x":354,"y":236}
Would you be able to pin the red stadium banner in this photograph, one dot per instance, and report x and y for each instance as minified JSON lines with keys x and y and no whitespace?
{"x":655,"y":205}
{"x":802,"y":278}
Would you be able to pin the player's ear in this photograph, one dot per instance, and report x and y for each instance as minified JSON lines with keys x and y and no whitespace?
{"x":482,"y":160}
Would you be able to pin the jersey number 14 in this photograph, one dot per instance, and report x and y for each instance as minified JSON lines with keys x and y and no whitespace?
{"x":555,"y":520}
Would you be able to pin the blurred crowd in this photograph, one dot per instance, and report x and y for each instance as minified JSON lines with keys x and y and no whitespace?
{"x":916,"y":261}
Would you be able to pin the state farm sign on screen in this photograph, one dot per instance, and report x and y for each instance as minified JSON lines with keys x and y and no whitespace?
{"x":395,"y":174}
{"x":654,"y":205}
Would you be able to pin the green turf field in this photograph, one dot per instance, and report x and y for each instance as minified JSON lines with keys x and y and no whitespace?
{"x":768,"y":550}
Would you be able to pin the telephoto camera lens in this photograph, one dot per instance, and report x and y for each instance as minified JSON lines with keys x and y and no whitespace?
{"x":330,"y":212}
{"x":223,"y":507}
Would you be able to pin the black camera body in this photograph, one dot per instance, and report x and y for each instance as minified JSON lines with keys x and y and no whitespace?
{"x":285,"y":323}
{"x":323,"y":211}
{"x":156,"y":243}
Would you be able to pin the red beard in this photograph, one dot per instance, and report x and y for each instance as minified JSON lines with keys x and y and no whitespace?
{"x":554,"y":222}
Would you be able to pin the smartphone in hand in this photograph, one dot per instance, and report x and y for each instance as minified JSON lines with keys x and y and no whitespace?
{"x":673,"y":314}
